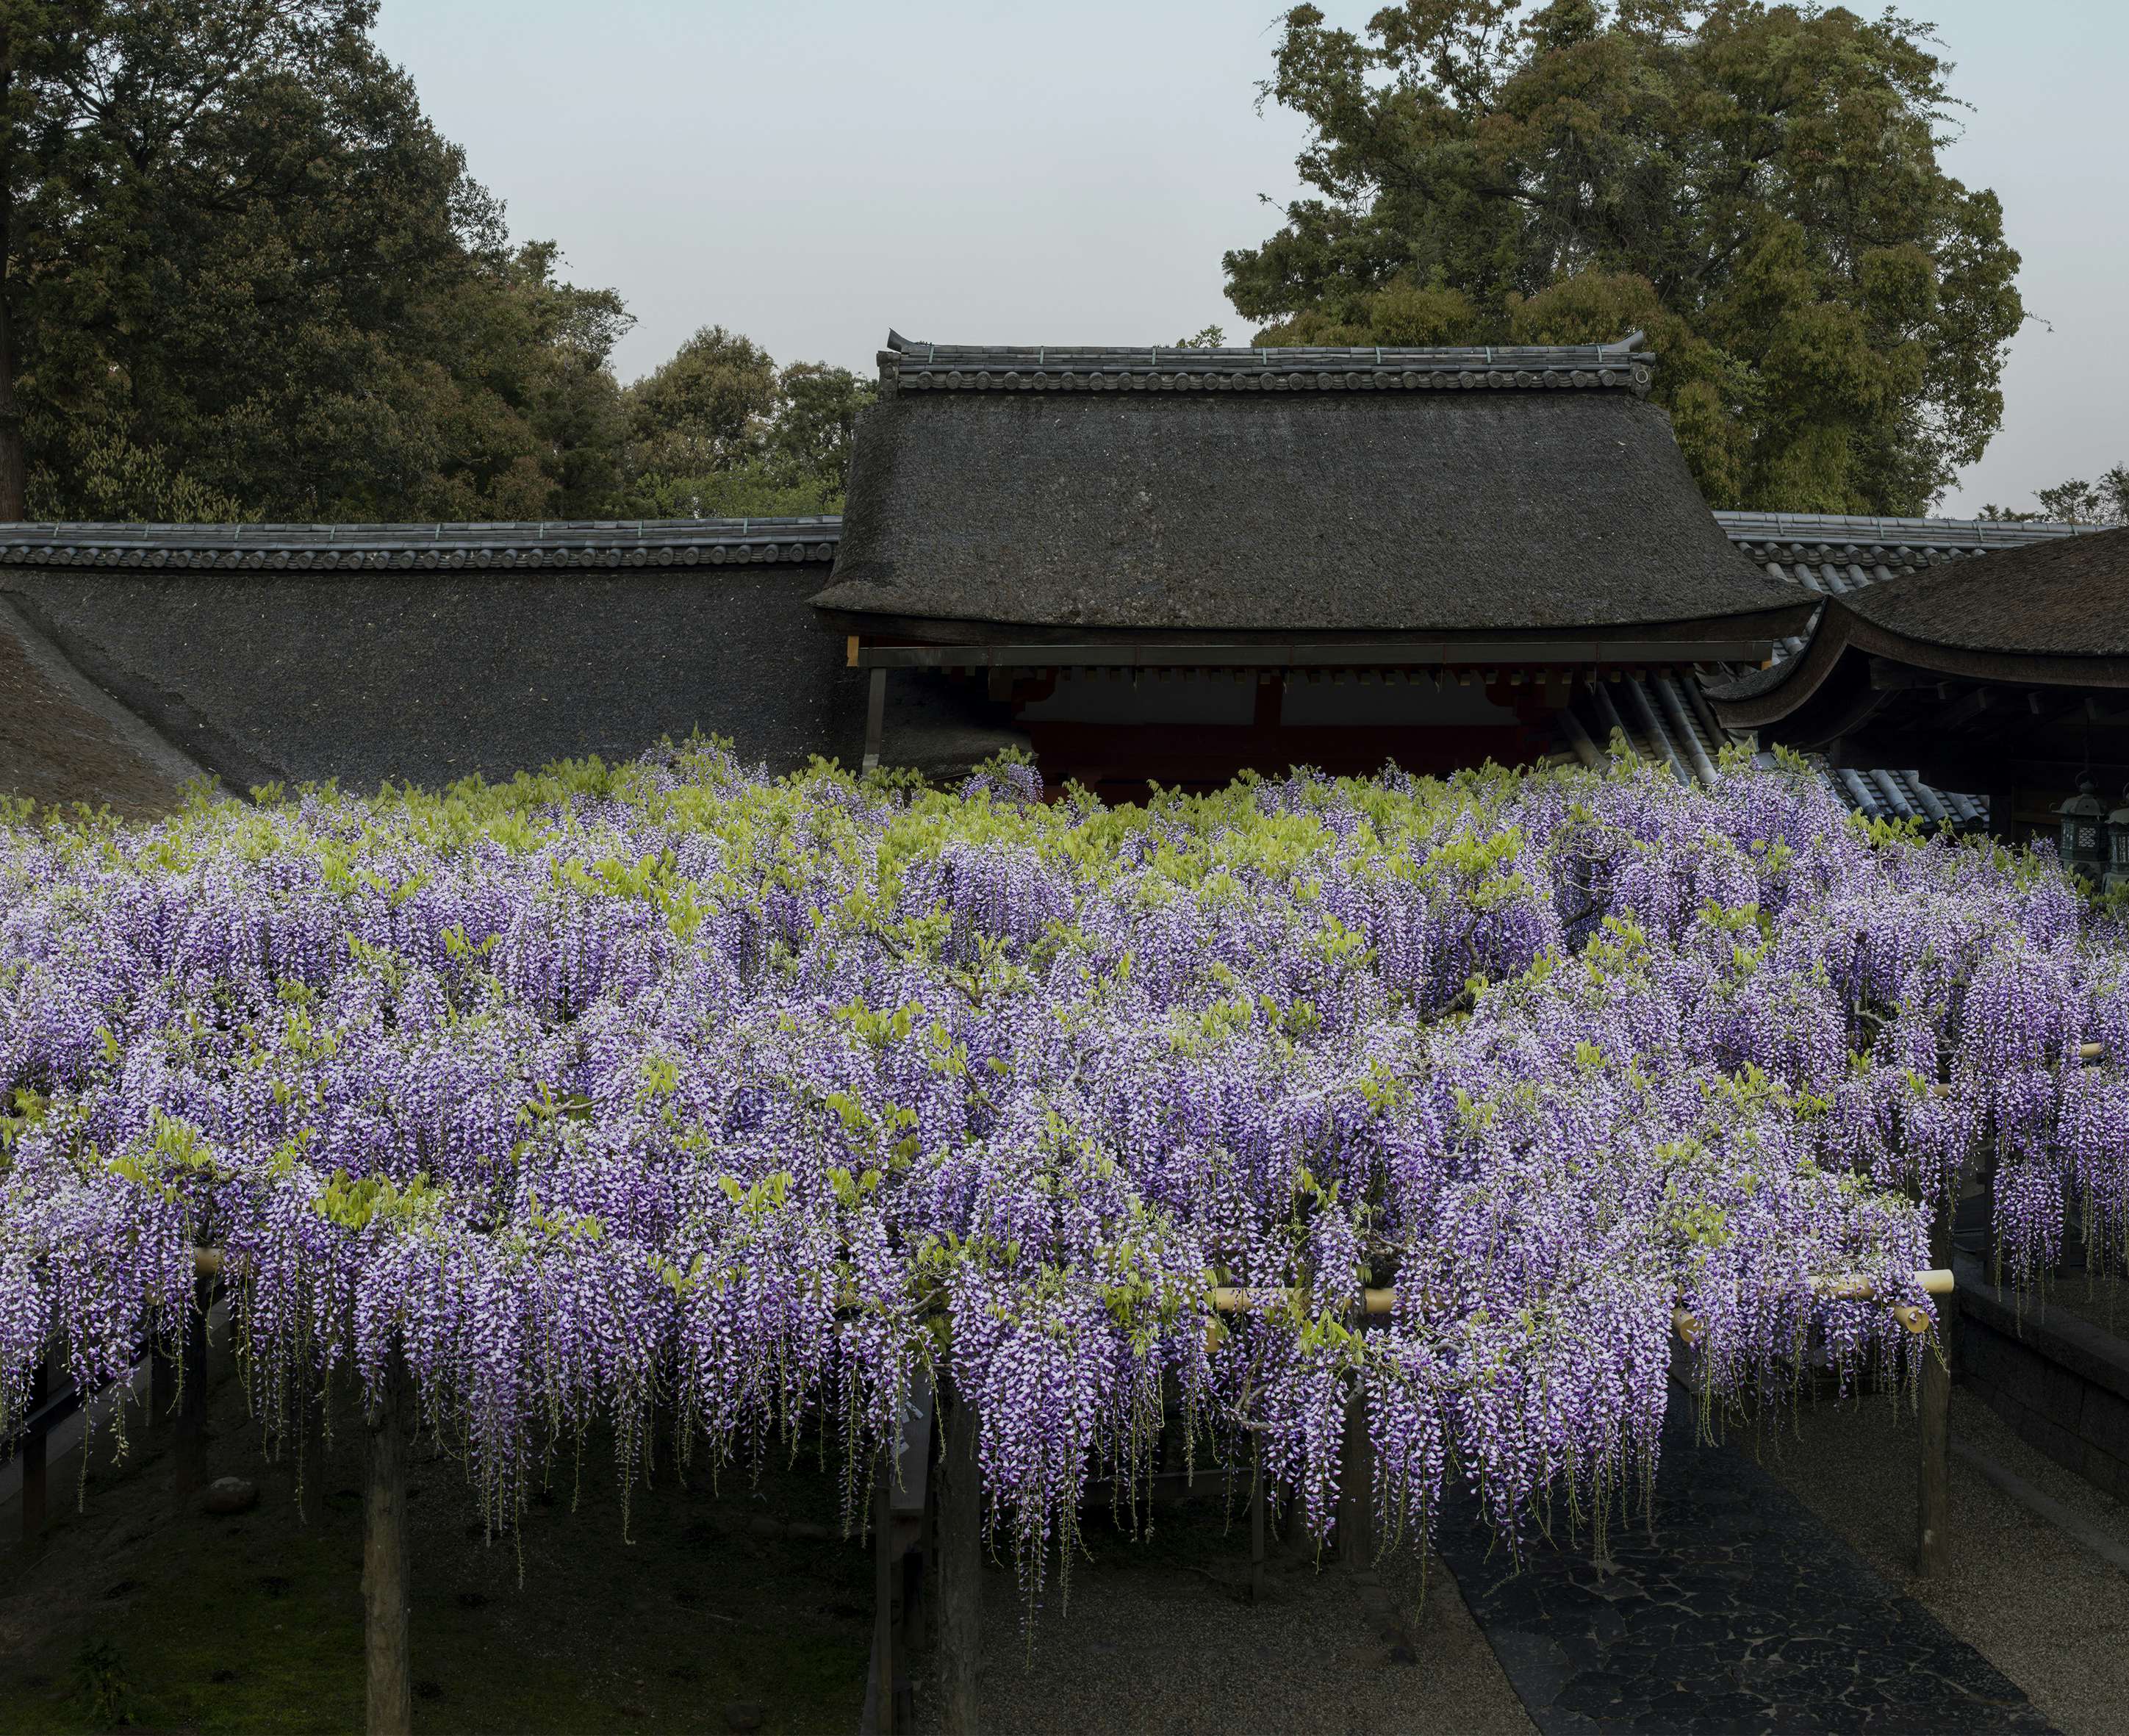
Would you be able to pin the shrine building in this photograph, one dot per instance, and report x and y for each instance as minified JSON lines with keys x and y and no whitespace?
{"x":1153,"y":565}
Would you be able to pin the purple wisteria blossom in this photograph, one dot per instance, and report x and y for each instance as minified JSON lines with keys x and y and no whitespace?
{"x":714,"y":1109}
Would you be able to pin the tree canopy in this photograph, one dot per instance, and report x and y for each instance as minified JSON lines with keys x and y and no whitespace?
{"x":1756,"y":188}
{"x":2076,"y":501}
{"x":720,"y":430}
{"x":243,"y":276}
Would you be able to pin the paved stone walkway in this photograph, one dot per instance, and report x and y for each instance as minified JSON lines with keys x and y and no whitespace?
{"x":1743,"y":1613}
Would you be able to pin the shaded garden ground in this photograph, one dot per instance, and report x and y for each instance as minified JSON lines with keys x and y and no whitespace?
{"x":716,"y":1617}
{"x":2049,"y":1614}
{"x":1160,"y":1638}
{"x":719,"y":1613}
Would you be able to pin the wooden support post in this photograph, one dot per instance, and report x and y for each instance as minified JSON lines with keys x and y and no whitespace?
{"x":1356,"y":1529}
{"x":875,"y":719}
{"x":1933,"y":1517}
{"x":1933,"y":1475}
{"x":35,"y":1451}
{"x":190,"y":1454}
{"x":387,"y":1641}
{"x":960,"y":1577}
{"x":162,"y":1381}
{"x":1259,"y":1499}
{"x":909,"y":1505}
{"x":883,"y":1599}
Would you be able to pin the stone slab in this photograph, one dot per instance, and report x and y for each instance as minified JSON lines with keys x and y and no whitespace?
{"x":1740,"y":1611}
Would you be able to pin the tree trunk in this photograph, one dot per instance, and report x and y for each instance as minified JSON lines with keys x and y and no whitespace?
{"x":35,"y":1451}
{"x":190,"y":1450}
{"x":961,"y":1571}
{"x":1260,"y":1499}
{"x":385,"y":1637}
{"x":14,"y":460}
{"x":882,"y":1598}
{"x":1356,"y":1530}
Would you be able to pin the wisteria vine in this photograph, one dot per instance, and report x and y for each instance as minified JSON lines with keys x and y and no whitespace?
{"x":714,"y":1108}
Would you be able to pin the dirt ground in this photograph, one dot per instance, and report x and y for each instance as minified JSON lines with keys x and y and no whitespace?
{"x":718,"y":1616}
{"x":2103,"y":1301}
{"x":58,"y":750}
{"x":2050,"y":1614}
{"x":746,"y":1604}
{"x":1160,"y":1638}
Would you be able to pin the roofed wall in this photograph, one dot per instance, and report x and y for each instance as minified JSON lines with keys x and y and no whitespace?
{"x":395,"y":666}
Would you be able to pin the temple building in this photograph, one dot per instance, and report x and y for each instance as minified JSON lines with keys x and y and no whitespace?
{"x":2009,"y":677}
{"x":1178,"y":564}
{"x":1157,"y":564}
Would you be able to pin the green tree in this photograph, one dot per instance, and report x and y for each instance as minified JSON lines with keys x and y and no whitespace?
{"x":243,"y":276}
{"x":719,"y":431}
{"x":2077,"y":501}
{"x":1755,"y":186}
{"x":702,"y":411}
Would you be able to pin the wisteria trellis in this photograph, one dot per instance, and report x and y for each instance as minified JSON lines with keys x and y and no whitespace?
{"x":676,"y":1097}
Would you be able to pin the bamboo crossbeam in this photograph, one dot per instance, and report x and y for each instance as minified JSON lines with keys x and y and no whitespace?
{"x":2092,"y":1052}
{"x":1937,"y":1282}
{"x":213,"y":1262}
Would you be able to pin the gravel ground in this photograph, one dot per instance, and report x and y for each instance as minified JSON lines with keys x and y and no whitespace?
{"x":2103,"y":1301}
{"x":2049,"y":1614}
{"x":1160,"y":1639}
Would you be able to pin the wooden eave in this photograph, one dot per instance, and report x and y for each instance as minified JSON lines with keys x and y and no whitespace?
{"x":917,"y":642}
{"x":1844,"y":638}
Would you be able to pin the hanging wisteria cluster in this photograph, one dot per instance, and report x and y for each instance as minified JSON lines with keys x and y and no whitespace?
{"x":714,"y":1108}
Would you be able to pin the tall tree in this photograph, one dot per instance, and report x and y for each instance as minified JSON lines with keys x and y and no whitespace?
{"x":720,"y":430}
{"x":1757,"y":187}
{"x":244,"y":275}
{"x":2076,"y":501}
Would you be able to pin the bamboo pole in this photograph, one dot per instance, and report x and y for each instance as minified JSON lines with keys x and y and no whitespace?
{"x":960,"y":1571}
{"x":1933,"y":1408}
{"x":1855,"y":1287}
{"x":387,"y":1641}
{"x":1933,"y":1474}
{"x":213,"y":1263}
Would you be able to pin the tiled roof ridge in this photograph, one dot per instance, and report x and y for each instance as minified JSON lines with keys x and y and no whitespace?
{"x":1840,"y":530}
{"x":345,"y":547}
{"x":907,"y":364}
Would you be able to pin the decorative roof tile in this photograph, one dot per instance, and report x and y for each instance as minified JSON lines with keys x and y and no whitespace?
{"x":906,"y":366}
{"x":427,"y":547}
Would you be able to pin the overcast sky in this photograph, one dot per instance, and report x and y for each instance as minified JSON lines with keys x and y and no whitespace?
{"x":809,"y":172}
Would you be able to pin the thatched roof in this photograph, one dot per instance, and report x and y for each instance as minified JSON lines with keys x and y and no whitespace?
{"x":2063,"y":597}
{"x":1255,"y":490}
{"x":266,"y":674}
{"x":2052,"y":608}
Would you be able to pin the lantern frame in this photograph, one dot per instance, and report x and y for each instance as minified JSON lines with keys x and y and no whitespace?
{"x":2082,"y":842}
{"x":2117,"y":847}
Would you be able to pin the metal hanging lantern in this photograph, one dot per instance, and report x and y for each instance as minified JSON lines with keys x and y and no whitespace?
{"x":2084,"y":844}
{"x":2117,"y":847}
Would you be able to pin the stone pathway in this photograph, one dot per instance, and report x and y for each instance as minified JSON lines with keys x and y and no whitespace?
{"x":1745,"y":1613}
